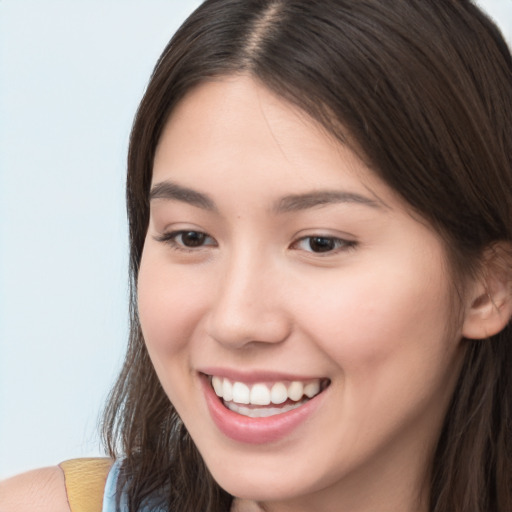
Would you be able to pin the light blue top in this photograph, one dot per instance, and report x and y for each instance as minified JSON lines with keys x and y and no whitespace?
{"x":110,"y":493}
{"x":109,"y":496}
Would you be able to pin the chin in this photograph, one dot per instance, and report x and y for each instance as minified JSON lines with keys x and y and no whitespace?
{"x":263,"y":483}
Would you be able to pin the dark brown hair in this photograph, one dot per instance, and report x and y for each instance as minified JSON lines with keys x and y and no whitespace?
{"x":422,"y":90}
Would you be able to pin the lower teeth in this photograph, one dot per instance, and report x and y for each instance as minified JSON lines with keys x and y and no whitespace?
{"x":262,"y":412}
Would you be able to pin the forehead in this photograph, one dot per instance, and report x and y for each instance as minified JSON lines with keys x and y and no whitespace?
{"x":234,"y":130}
{"x":236,"y":112}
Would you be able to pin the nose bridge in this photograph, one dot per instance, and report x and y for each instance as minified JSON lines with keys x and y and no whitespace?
{"x":248,"y":305}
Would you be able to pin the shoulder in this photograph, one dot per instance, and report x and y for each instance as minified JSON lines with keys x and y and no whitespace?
{"x":43,"y":490}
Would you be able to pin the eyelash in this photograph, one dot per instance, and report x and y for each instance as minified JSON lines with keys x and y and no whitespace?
{"x":333,"y":245}
{"x":171,"y":239}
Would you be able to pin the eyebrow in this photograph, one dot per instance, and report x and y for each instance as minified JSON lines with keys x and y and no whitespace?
{"x":297,"y":202}
{"x":291,"y":203}
{"x":172,"y":191}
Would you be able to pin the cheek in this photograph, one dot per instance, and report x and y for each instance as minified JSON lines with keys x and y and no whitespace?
{"x":169,"y":306}
{"x":382,"y":318}
{"x":387,"y":334}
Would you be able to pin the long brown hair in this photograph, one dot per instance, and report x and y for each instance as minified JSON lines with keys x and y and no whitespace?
{"x":422,"y":90}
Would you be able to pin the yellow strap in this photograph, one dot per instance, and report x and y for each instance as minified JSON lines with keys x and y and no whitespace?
{"x":85,"y":483}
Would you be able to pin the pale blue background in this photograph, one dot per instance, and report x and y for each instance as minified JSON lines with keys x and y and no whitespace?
{"x":71,"y":75}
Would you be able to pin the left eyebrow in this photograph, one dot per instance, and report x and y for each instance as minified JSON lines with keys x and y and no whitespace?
{"x":308,"y":200}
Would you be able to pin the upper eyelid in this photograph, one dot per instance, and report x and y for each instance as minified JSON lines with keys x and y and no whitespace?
{"x":174,"y":232}
{"x":329,"y":237}
{"x":170,"y":237}
{"x":345,"y":244}
{"x":349,"y":239}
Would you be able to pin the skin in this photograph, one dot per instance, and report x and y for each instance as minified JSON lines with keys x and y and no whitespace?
{"x":43,"y":487}
{"x":374,"y":315}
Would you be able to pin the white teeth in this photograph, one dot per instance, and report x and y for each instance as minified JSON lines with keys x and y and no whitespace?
{"x":227,"y":390}
{"x":278,"y":393}
{"x":241,"y":393}
{"x":311,"y":389}
{"x":262,"y":394}
{"x":295,"y":391}
{"x":217,"y":385}
{"x":262,"y":412}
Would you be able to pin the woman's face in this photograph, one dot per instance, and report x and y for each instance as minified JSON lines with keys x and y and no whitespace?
{"x":280,"y":268}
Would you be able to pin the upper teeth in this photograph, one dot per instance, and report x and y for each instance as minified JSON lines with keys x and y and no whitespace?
{"x":263,"y":394}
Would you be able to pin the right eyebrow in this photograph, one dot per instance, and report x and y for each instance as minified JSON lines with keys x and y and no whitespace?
{"x":174,"y":192}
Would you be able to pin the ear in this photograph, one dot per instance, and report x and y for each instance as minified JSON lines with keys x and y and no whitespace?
{"x":489,"y":297}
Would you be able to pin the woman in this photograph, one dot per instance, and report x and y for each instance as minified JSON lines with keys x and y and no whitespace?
{"x":319,"y":197}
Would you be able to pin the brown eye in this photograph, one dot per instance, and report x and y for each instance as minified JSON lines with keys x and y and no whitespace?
{"x":191,"y":238}
{"x":322,"y":244}
{"x":187,"y":240}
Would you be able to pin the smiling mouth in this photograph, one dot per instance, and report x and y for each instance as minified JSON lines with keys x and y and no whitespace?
{"x":262,"y":399}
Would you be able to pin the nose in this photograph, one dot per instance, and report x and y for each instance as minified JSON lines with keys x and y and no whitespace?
{"x":249,"y":306}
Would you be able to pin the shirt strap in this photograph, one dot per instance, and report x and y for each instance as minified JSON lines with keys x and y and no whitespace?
{"x":85,"y":482}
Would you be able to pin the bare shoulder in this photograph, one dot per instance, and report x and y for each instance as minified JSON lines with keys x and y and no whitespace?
{"x":43,"y":490}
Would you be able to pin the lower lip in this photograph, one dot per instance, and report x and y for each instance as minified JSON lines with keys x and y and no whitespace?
{"x":256,"y":430}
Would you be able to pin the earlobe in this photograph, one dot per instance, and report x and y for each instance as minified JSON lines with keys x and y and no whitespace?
{"x":489,"y":305}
